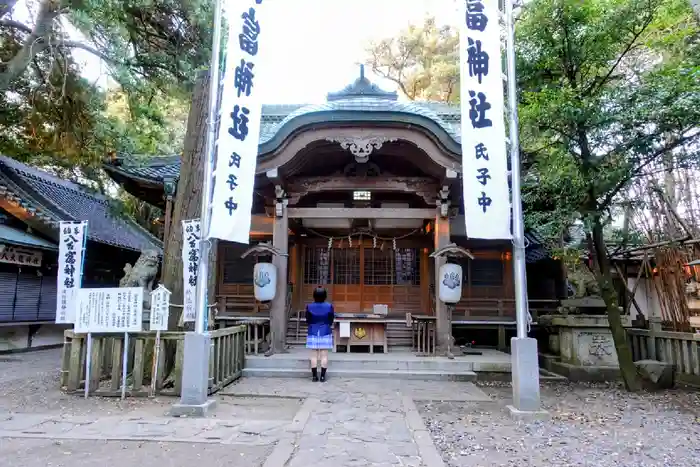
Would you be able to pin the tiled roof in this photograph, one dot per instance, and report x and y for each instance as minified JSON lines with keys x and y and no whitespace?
{"x":535,"y":249}
{"x":157,"y":168}
{"x":20,"y":238}
{"x":363,"y":105}
{"x":361,"y":98}
{"x":54,"y":199}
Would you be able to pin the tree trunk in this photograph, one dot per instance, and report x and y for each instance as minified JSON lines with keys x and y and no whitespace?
{"x":34,"y":44}
{"x":695,"y":4}
{"x":187,"y":205}
{"x":603,"y":274}
{"x":188,"y":198}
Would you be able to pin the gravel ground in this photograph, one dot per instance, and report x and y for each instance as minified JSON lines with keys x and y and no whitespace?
{"x":29,"y":382}
{"x":590,"y":425}
{"x":49,"y":453}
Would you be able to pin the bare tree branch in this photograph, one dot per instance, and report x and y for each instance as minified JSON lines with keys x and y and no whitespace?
{"x":37,"y":41}
{"x":6,"y":6}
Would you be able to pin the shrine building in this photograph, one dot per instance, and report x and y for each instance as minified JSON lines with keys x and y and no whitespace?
{"x":32,"y":204}
{"x":359,"y":191}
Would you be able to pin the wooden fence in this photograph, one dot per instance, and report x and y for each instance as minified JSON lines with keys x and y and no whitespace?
{"x":226,"y":361}
{"x":679,"y":348}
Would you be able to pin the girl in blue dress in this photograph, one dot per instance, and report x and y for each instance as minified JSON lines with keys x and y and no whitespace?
{"x":319,"y":338}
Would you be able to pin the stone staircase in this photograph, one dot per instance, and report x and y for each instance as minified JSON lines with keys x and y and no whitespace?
{"x":393,"y":365}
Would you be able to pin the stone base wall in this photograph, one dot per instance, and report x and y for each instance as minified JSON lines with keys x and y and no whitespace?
{"x":581,"y":348}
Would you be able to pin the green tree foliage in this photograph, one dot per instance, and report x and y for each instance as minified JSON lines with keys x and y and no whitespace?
{"x":609,"y":92}
{"x":609,"y":88}
{"x":53,"y":117}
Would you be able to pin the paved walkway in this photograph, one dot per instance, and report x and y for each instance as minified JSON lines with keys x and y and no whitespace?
{"x":359,"y":422}
{"x":264,"y":422}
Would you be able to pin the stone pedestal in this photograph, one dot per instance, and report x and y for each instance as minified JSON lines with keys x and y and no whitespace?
{"x":194,"y":401}
{"x":586,"y":348}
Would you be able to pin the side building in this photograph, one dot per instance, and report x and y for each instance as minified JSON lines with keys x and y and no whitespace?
{"x":359,"y":191}
{"x":32,"y":203}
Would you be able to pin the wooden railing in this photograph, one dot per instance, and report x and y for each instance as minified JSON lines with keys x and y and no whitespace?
{"x":681,"y":349}
{"x":423,"y":332}
{"x":226,"y":361}
{"x":475,"y":310}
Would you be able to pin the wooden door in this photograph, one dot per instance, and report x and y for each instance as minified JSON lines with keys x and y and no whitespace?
{"x":359,"y":276}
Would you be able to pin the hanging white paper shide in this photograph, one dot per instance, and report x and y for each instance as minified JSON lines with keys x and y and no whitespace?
{"x":239,"y":128}
{"x":484,"y":155}
{"x":70,"y":269}
{"x":191,"y":235}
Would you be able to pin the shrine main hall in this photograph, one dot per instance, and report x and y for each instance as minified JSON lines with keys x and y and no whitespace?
{"x":357,"y":193}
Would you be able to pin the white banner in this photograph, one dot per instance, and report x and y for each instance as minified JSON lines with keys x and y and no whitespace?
{"x":70,"y":269}
{"x":191,"y":235}
{"x":110,"y":310}
{"x":484,"y":154}
{"x":21,"y":256}
{"x":239,"y":130}
{"x":160,"y":309}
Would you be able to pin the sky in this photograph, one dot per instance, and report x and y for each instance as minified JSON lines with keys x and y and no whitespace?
{"x":317,"y":44}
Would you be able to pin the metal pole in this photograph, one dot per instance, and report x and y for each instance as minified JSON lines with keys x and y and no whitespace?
{"x":204,"y":246}
{"x":519,"y":274}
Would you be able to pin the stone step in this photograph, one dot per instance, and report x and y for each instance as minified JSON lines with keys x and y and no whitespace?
{"x":334,"y":372}
{"x":382,"y":363}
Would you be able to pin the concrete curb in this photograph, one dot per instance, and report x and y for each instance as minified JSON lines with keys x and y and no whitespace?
{"x":421,"y":435}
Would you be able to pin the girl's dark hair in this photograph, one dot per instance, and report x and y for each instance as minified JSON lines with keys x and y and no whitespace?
{"x":320,"y":295}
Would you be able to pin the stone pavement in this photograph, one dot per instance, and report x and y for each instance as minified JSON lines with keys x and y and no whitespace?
{"x":358,"y":422}
{"x":258,"y":422}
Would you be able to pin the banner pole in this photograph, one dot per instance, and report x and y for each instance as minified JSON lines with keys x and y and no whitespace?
{"x":195,"y":366}
{"x":524,"y":360}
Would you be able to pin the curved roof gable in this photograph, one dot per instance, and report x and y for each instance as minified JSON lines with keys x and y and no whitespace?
{"x":360,"y":101}
{"x":364,"y":101}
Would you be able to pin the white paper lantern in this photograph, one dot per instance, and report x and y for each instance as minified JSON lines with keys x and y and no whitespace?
{"x":450,"y":283}
{"x":265,"y":281}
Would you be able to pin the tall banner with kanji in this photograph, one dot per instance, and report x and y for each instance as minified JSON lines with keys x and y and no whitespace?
{"x":239,"y":127}
{"x":191,"y":235}
{"x":484,"y":154}
{"x":70,"y":270}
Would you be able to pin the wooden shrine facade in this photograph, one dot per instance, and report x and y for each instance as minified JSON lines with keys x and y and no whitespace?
{"x":356,"y":193}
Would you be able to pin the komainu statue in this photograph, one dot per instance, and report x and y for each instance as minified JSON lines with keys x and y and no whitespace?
{"x":586,"y":291}
{"x":142,"y":274}
{"x":583,"y":282}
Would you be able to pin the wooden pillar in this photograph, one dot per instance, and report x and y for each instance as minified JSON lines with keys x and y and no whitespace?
{"x":443,"y":318}
{"x":278,"y":308}
{"x":169,"y":186}
{"x":424,"y":282}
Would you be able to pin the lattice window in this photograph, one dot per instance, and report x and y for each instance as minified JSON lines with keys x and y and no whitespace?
{"x":317,"y":263}
{"x":482,"y":272}
{"x":407,"y":261}
{"x":237,"y":270}
{"x":379,"y":267}
{"x":346,"y":266}
{"x":486,"y":272}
